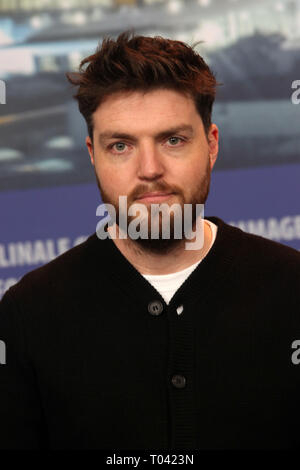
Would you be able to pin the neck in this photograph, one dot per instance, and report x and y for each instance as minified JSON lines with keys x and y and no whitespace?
{"x":153,"y":263}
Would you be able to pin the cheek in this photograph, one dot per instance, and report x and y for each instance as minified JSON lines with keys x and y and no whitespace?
{"x":191,"y":177}
{"x":113,"y":184}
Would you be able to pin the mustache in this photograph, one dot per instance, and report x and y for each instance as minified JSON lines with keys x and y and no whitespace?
{"x":157,"y":188}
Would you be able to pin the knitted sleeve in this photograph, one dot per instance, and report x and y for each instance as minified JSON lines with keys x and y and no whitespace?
{"x":21,"y":417}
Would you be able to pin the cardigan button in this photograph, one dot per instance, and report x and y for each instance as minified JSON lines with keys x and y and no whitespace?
{"x":178,"y":381}
{"x":179,"y":310}
{"x":155,"y":307}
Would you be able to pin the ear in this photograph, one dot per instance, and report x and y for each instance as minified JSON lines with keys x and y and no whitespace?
{"x":213,"y":144}
{"x":90,"y":148}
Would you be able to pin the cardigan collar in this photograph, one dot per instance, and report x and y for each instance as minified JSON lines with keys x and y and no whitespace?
{"x":204,"y":278}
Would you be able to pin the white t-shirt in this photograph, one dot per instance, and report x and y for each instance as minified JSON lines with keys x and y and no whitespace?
{"x":168,"y":284}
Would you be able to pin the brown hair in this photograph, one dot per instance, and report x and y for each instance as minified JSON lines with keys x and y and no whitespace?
{"x":142,"y":63}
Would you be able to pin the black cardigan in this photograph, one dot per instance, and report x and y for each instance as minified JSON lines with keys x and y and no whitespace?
{"x":95,"y":358}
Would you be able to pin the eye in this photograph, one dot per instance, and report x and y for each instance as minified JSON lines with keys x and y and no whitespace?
{"x":118,"y":146}
{"x":176,"y":139}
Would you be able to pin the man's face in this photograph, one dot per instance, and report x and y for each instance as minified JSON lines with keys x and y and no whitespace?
{"x":152,"y":142}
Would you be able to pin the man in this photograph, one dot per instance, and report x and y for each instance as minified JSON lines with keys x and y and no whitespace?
{"x":140,"y":343}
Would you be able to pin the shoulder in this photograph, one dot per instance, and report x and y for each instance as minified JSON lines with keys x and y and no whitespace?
{"x":68,"y":270}
{"x":258,"y":254}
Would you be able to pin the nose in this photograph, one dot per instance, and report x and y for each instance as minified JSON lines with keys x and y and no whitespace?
{"x":150,"y":164}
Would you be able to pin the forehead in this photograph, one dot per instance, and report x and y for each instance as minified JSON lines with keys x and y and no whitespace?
{"x":144,"y":107}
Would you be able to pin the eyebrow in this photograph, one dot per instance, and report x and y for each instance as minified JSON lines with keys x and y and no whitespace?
{"x":165,"y":133}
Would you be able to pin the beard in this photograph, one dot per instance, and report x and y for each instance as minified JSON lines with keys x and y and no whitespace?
{"x":162,"y":245}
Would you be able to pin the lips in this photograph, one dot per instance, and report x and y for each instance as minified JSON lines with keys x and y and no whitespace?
{"x":148,"y":198}
{"x":146,"y":195}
